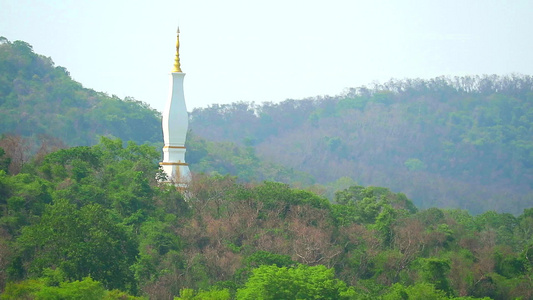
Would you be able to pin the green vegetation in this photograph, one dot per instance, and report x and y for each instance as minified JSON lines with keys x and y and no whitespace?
{"x":50,"y":288}
{"x":462,"y":142}
{"x":238,"y":160}
{"x":301,"y":282}
{"x":41,"y":101}
{"x":94,"y":221}
{"x":43,"y":109}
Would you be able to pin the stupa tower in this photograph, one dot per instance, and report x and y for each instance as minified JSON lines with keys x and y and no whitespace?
{"x":175,"y":125}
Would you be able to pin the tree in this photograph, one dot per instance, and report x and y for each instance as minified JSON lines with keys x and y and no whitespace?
{"x":22,"y":198}
{"x":301,"y":282}
{"x":84,"y":289}
{"x":4,"y":160}
{"x":369,"y":202}
{"x":43,"y":288}
{"x":189,"y":294}
{"x":419,"y":291}
{"x":15,"y":151}
{"x":80,"y":242}
{"x":435,"y":271}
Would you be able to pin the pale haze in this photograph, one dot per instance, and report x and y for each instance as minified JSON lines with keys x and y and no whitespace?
{"x":270,"y":50}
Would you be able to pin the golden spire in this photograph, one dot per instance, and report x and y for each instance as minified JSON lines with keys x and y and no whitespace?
{"x":177,"y":66}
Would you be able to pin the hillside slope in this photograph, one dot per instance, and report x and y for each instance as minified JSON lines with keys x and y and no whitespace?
{"x":40,"y":99}
{"x":42,"y":108}
{"x":85,"y":219}
{"x":463,"y":142}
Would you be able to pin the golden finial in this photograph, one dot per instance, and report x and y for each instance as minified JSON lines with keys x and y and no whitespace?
{"x":177,"y":66}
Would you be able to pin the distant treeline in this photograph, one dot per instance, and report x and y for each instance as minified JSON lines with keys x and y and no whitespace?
{"x":463,"y":142}
{"x":449,"y":142}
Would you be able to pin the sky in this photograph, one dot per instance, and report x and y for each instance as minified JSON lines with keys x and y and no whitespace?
{"x":270,"y":51}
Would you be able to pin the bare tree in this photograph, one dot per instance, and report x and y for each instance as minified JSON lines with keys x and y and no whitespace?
{"x":17,"y":149}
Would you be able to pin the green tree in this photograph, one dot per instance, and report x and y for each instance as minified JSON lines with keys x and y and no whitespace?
{"x":419,"y":291}
{"x":4,"y":161}
{"x":80,"y":242}
{"x":435,"y":272}
{"x":159,"y":251}
{"x":189,"y":294}
{"x":301,"y":282}
{"x":43,"y":289}
{"x":84,"y":289}
{"x":384,"y":222}
{"x":22,"y":198}
{"x":415,"y":164}
{"x":368,"y":202}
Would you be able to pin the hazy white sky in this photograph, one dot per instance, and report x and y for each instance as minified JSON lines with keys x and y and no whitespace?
{"x":235,"y":50}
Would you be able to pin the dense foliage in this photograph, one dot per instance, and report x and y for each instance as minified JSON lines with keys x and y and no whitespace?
{"x":462,"y":142}
{"x":206,"y":156}
{"x":95,"y":221}
{"x":42,"y":109}
{"x":39,"y":100}
{"x":454,"y":143}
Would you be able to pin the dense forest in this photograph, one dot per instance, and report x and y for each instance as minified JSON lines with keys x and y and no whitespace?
{"x":83,"y":214}
{"x":40,"y":101}
{"x":42,"y":109}
{"x":446,"y":142}
{"x":94,"y":221}
{"x":464,"y":142}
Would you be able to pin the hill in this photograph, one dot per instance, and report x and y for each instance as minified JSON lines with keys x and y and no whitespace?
{"x":42,"y":109}
{"x":85,"y":220}
{"x":93,"y":221}
{"x":39,"y":100}
{"x":463,"y":142}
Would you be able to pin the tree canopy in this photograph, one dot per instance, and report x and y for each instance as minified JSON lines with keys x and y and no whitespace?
{"x":39,"y":100}
{"x":436,"y":140}
{"x":95,"y":221}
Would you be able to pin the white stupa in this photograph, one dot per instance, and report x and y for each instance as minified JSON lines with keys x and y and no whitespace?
{"x":175,"y":125}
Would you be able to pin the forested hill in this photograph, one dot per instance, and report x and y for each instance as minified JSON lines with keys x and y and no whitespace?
{"x":39,"y":100}
{"x":449,"y":142}
{"x":462,"y":142}
{"x":42,"y":108}
{"x":94,"y":223}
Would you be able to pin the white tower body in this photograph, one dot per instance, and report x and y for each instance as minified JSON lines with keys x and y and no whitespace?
{"x":175,"y":126}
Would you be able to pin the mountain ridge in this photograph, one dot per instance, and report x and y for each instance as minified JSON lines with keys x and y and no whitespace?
{"x":463,"y":142}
